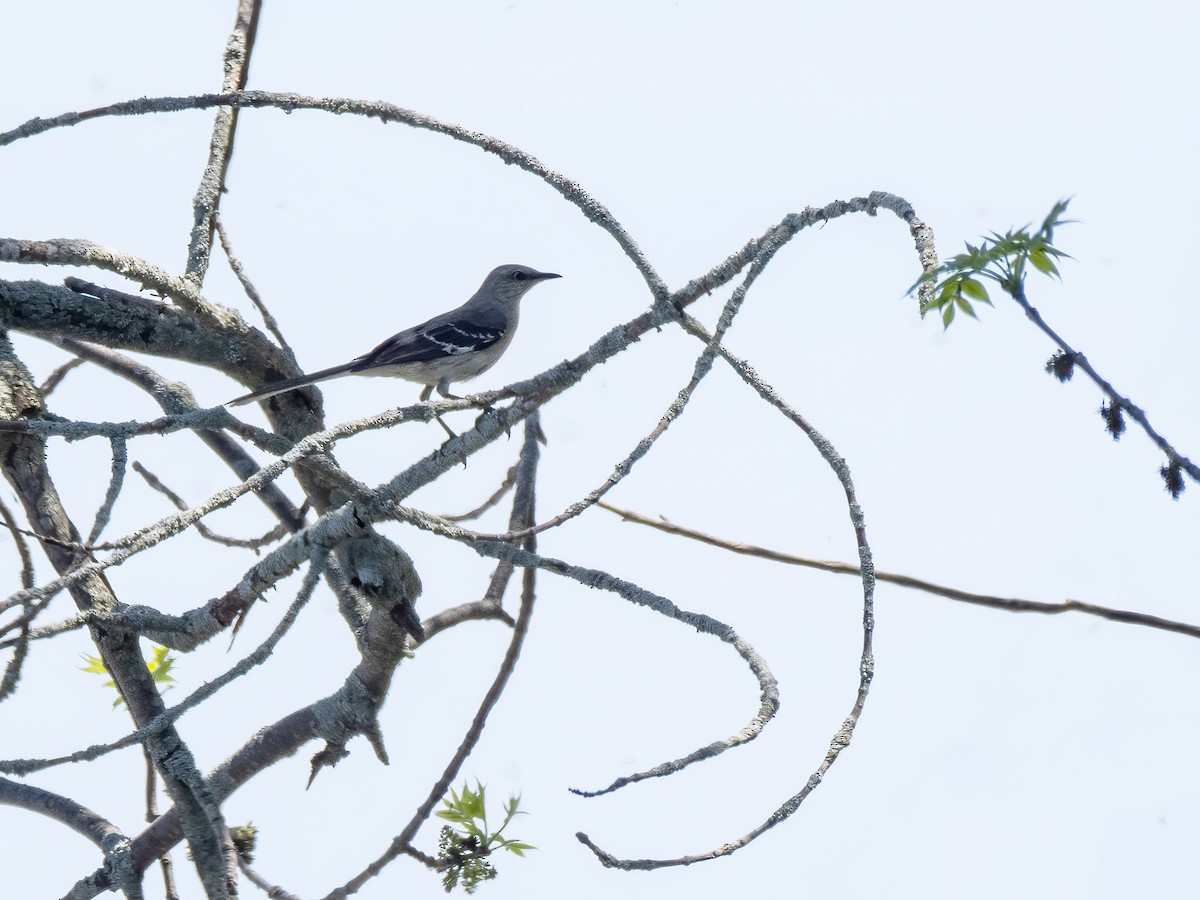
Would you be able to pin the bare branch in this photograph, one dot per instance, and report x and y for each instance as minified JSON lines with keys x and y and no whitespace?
{"x":212,"y":182}
{"x":175,"y":397}
{"x":274,"y":891}
{"x":54,"y":379}
{"x":249,"y":543}
{"x":68,"y":252}
{"x":19,"y":542}
{"x":766,"y":249}
{"x":523,"y":513}
{"x":1118,"y":400}
{"x":841,"y":738}
{"x":480,"y":610}
{"x":384,"y":112}
{"x":595,"y":578}
{"x":239,"y":271}
{"x":120,"y":458}
{"x":12,"y":671}
{"x":24,"y":465}
{"x":42,"y":632}
{"x":334,"y":718}
{"x":917,"y":584}
{"x":97,"y":829}
{"x":505,"y":487}
{"x":166,"y":718}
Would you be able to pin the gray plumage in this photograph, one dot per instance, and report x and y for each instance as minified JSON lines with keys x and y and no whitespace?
{"x":452,"y":347}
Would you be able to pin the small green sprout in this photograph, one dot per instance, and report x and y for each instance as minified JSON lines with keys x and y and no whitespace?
{"x":463,"y":849}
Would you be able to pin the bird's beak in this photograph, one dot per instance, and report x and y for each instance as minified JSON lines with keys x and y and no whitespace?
{"x":541,"y":275}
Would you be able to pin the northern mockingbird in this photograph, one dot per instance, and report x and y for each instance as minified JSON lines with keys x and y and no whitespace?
{"x":454,"y":346}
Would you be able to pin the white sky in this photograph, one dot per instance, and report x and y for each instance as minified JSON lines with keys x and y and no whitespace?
{"x":999,"y":754}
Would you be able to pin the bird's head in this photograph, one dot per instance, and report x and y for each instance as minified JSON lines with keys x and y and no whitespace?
{"x":511,"y":282}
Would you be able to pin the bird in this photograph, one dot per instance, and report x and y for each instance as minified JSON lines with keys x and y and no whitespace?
{"x":451,"y":347}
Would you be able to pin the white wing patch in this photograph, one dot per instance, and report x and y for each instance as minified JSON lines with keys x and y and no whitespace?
{"x":454,"y":339}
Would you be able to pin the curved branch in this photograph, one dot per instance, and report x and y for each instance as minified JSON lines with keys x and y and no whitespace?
{"x":97,"y":829}
{"x":595,"y":578}
{"x":384,"y":112}
{"x":765,"y":250}
{"x":385,"y":502}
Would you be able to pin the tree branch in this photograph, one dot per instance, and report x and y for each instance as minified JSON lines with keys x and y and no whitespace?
{"x":212,"y":182}
{"x":1119,"y":400}
{"x":25,"y":469}
{"x":917,"y":584}
{"x":523,"y":513}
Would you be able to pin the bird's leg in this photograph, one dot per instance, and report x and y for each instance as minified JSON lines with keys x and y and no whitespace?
{"x":443,"y":387}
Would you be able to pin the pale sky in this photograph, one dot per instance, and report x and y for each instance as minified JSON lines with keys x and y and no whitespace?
{"x":998,"y":755}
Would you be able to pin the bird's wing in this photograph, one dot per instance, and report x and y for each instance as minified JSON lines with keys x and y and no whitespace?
{"x":432,"y":341}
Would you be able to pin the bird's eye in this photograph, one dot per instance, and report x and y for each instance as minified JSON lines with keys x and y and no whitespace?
{"x":518,"y":276}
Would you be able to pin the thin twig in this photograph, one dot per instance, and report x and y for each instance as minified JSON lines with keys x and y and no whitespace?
{"x":120,"y":459}
{"x":274,"y":891}
{"x":34,"y":602}
{"x":18,"y":533}
{"x":74,"y":623}
{"x":1135,"y":412}
{"x":166,"y":864}
{"x":384,"y":112}
{"x":235,"y":265}
{"x":479,"y":610}
{"x":249,"y":543}
{"x":505,"y":487}
{"x":12,"y":671}
{"x":54,"y":379}
{"x":917,"y":584}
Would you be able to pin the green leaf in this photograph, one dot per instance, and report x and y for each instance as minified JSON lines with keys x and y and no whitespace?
{"x":1042,"y":262}
{"x":966,"y":307}
{"x":95,"y":665}
{"x":974,"y":289}
{"x":1002,"y":258}
{"x":160,"y":665}
{"x":472,"y":802}
{"x":464,"y":851}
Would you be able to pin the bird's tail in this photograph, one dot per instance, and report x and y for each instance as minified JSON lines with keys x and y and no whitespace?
{"x":282,"y":387}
